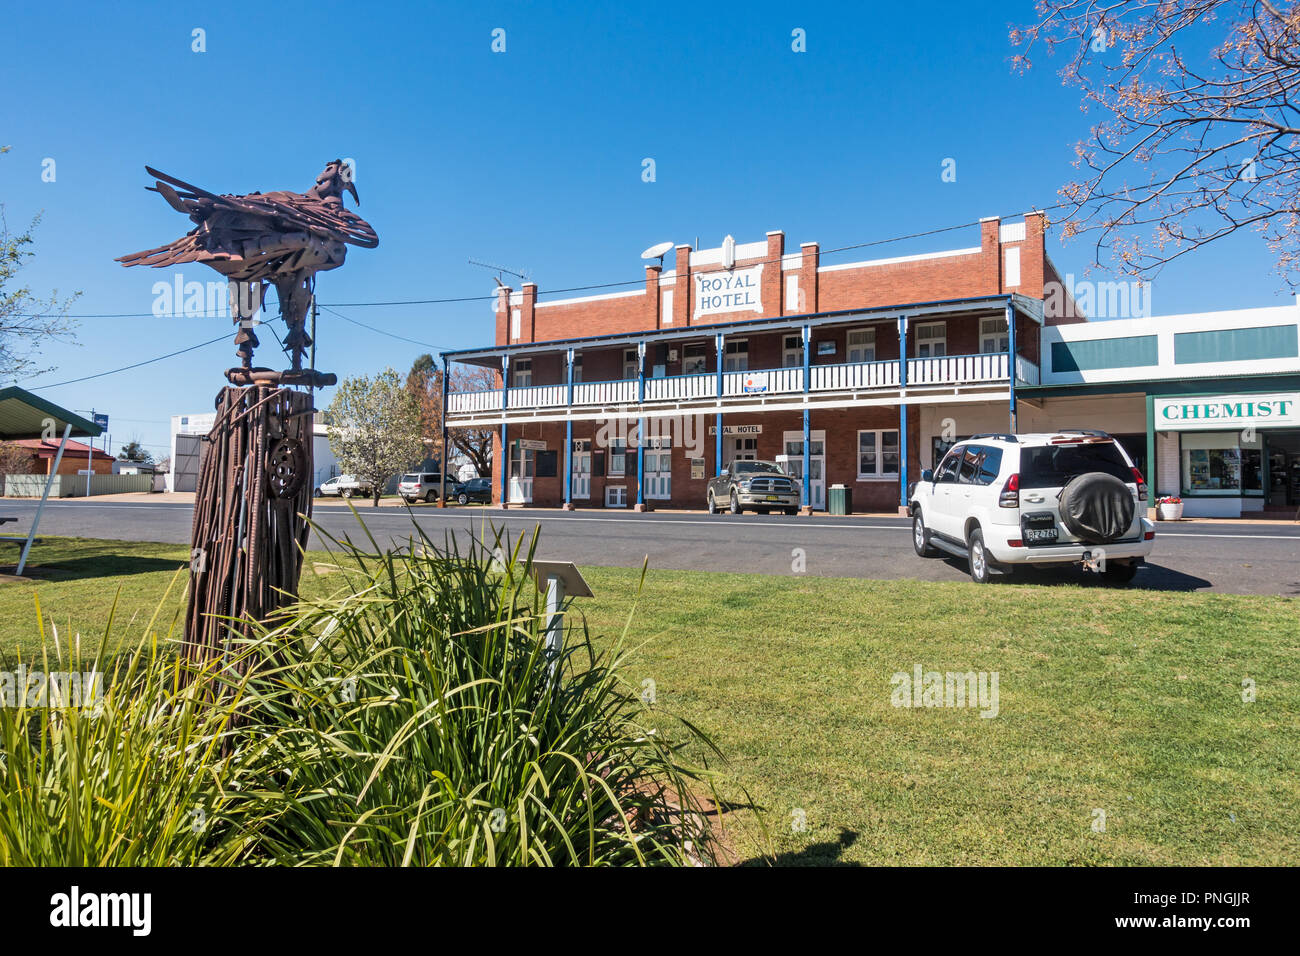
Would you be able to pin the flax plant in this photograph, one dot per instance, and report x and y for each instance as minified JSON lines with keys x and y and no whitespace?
{"x":415,"y":718}
{"x":134,"y":774}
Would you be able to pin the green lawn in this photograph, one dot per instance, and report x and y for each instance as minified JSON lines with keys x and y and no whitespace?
{"x":1129,"y":702}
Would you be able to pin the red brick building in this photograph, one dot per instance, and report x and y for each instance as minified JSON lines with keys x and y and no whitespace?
{"x":757,"y":350}
{"x":74,"y":460}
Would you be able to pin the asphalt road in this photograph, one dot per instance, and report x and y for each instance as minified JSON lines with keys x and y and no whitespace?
{"x":1239,"y":558}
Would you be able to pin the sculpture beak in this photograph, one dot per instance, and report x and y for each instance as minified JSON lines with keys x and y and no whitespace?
{"x":351,"y":187}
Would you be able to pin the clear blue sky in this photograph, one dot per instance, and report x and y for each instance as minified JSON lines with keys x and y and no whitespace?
{"x":531,"y":158}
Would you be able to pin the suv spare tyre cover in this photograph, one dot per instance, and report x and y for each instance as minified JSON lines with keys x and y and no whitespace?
{"x":1096,"y":507}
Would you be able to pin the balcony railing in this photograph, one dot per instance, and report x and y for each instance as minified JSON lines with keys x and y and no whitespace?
{"x":761,"y":381}
{"x":674,"y":388}
{"x":604,"y":393}
{"x":853,"y":376}
{"x":957,"y":369}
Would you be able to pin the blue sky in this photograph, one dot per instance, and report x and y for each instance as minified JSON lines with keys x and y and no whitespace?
{"x":530,"y":158}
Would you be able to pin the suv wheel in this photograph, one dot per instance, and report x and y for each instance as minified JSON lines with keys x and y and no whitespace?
{"x":980,"y":563}
{"x":921,"y":537}
{"x":734,"y":507}
{"x":713,"y":505}
{"x":462,"y":499}
{"x":429,"y":497}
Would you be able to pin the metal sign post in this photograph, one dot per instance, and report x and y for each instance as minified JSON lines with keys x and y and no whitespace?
{"x":557,"y":580}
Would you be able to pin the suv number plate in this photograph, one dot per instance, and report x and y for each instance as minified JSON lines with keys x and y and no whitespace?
{"x":1039,"y":528}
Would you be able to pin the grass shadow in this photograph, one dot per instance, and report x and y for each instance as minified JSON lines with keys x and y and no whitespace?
{"x":90,"y":566}
{"x":827,"y":853}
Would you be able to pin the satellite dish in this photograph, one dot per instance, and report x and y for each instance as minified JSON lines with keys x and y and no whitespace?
{"x":657,"y":251}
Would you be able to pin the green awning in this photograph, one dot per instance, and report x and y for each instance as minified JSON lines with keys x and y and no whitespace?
{"x":24,"y":415}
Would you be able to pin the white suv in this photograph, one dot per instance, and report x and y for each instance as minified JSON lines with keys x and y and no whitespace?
{"x":1006,"y":500}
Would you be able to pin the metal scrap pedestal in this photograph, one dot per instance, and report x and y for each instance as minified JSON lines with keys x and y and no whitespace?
{"x":251,"y":515}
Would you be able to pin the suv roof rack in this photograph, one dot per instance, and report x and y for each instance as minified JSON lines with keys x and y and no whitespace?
{"x":999,"y":435}
{"x":1097,"y":432}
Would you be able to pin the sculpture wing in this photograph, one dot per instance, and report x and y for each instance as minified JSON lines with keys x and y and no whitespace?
{"x":325,"y":218}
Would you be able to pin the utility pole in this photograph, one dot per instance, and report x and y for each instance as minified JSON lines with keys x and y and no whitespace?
{"x":90,"y":457}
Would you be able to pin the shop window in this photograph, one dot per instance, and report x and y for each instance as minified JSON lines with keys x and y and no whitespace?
{"x":862,"y":345}
{"x":523,"y":373}
{"x":878,"y":454}
{"x":993,"y":335}
{"x":695,"y":358}
{"x":736,"y":355}
{"x":616,"y":496}
{"x":931,"y":340}
{"x":1216,"y":463}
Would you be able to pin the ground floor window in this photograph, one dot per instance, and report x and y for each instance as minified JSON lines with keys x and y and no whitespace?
{"x":616,"y":496}
{"x":1221,"y":463}
{"x":878,"y":454}
{"x":617,"y":457}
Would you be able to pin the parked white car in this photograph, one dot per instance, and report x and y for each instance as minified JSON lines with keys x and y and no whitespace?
{"x":344,"y":486}
{"x":1003,"y":501}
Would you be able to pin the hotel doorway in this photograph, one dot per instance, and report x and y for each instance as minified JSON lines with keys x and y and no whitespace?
{"x":816,"y":464}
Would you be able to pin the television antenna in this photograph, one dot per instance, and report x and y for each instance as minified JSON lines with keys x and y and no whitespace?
{"x":500,"y":270}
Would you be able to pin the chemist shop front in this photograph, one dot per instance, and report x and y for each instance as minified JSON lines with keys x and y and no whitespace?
{"x":1229,"y":455}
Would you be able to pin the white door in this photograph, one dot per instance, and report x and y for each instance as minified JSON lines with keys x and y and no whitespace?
{"x":658,"y":474}
{"x":816,"y":465}
{"x":581,"y":468}
{"x":522,"y":463}
{"x":739,"y":449}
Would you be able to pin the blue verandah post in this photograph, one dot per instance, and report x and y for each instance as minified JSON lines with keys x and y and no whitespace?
{"x":1011,"y":364}
{"x":504,"y":463}
{"x":805,"y":498}
{"x":568,"y":434}
{"x":902,"y":411}
{"x":717,"y":439}
{"x":640,"y":427}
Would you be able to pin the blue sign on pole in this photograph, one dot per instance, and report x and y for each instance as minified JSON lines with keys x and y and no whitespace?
{"x":101,"y":420}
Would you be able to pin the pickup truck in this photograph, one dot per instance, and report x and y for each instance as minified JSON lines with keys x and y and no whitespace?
{"x":345,"y":486}
{"x":759,"y":485}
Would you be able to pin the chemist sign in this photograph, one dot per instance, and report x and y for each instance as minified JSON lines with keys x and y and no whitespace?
{"x":1207,"y":413}
{"x":737,"y":290}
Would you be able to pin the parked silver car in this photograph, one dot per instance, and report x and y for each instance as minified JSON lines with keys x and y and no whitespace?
{"x":426,"y":485}
{"x":761,"y":486}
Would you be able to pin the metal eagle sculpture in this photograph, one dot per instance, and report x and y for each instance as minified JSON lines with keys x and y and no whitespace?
{"x":283,"y":238}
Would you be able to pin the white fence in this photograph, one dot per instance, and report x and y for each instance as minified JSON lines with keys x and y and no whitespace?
{"x":74,"y":486}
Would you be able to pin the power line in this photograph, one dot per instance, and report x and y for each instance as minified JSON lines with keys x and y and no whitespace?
{"x":372,"y":328}
{"x":127,"y":368}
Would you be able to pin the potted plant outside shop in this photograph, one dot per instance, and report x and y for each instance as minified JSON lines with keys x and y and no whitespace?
{"x":1171,"y":508}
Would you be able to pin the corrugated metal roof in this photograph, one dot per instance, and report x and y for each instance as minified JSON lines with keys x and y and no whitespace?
{"x":24,"y":415}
